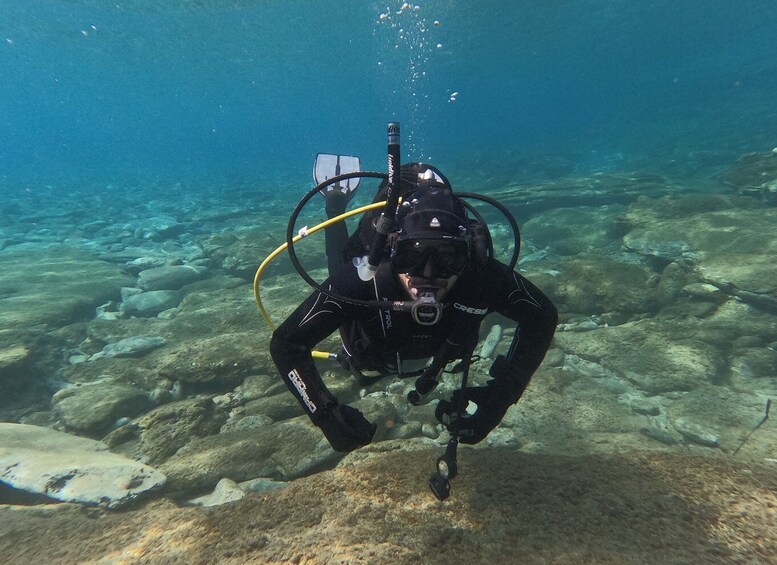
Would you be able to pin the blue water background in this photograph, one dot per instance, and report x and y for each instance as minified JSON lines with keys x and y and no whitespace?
{"x":213,"y":93}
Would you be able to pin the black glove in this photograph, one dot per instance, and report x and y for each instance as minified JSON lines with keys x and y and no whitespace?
{"x":346,"y":428}
{"x":492,"y":402}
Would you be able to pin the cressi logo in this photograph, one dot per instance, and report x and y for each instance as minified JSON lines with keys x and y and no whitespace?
{"x":469,"y":309}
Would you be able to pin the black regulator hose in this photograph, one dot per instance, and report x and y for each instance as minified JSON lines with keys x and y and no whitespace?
{"x":505,"y":212}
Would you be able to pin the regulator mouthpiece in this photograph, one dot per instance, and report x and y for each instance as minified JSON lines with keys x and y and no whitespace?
{"x":426,"y":310}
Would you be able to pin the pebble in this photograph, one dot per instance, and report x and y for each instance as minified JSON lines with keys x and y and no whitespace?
{"x":430,"y":431}
{"x":226,"y":491}
{"x":491,"y":341}
{"x":646,"y":407}
{"x":705,"y":291}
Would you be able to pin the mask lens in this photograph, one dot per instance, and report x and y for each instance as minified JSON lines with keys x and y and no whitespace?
{"x":450,"y":256}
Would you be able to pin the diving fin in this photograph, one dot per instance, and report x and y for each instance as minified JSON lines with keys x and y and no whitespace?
{"x":328,"y":166}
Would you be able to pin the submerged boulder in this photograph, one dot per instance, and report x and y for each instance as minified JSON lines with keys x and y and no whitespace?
{"x":281,"y":451}
{"x":733,"y":249}
{"x":12,"y":359}
{"x":151,"y":303}
{"x":171,"y":277}
{"x":156,"y":436}
{"x":134,"y":346}
{"x":754,"y":174}
{"x":92,"y":409}
{"x":72,"y":469}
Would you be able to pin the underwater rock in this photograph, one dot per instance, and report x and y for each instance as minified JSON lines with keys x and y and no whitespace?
{"x":255,"y":386}
{"x":503,"y":437}
{"x":574,"y":193}
{"x":157,"y":435}
{"x":92,"y":409}
{"x":134,"y":346}
{"x":586,"y":367}
{"x":755,"y":369}
{"x":155,"y":227}
{"x":278,"y":407}
{"x":241,"y":254}
{"x":654,"y":355}
{"x":237,"y":421}
{"x":170,"y":277}
{"x":135,"y":266}
{"x":54,"y":287}
{"x":761,"y":299}
{"x":223,"y":360}
{"x":12,"y":359}
{"x":733,"y":247}
{"x":282,"y":451}
{"x":674,"y":277}
{"x":593,"y":285}
{"x":670,"y":251}
{"x":491,"y":341}
{"x":696,"y":433}
{"x":570,"y":231}
{"x":151,"y":303}
{"x":753,"y":174}
{"x":645,"y":406}
{"x":226,"y":491}
{"x":725,"y":414}
{"x":660,"y":434}
{"x":705,"y":291}
{"x":591,"y":323}
{"x":261,"y":485}
{"x":72,"y":469}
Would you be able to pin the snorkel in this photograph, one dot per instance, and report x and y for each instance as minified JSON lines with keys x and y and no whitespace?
{"x":386,"y":220}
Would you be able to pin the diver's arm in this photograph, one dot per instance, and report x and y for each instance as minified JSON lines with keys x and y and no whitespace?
{"x":290,"y":347}
{"x":513,"y":296}
{"x":536,"y":318}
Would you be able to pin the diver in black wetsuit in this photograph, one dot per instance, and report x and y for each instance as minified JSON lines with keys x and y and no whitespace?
{"x":432,"y":254}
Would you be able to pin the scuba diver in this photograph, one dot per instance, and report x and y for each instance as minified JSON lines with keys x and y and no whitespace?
{"x":434,"y":281}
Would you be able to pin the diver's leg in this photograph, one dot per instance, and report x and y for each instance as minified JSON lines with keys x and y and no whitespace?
{"x":336,"y":235}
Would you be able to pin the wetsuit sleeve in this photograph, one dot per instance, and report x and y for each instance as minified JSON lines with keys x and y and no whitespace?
{"x":536,"y":317}
{"x":291,"y":346}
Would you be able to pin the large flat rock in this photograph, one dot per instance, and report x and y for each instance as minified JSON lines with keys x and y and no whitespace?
{"x":69,"y":468}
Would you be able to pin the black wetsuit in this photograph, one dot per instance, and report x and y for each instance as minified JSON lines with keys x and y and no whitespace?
{"x":374,"y":337}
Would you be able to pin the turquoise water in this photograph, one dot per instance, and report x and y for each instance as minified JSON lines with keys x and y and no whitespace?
{"x":151,"y":153}
{"x":128,"y":91}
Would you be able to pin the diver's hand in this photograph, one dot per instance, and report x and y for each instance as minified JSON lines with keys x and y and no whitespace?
{"x":492,"y":407}
{"x":346,"y":428}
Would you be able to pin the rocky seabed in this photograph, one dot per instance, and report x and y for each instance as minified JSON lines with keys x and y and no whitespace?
{"x":134,"y":363}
